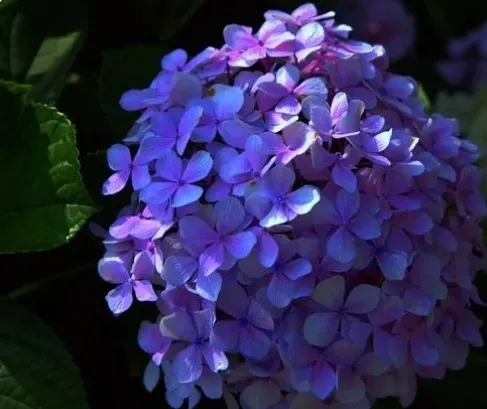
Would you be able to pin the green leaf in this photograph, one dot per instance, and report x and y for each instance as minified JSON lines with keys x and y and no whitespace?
{"x":122,"y":70}
{"x":36,"y":371}
{"x":455,"y":105}
{"x":39,"y":41}
{"x":423,"y":97}
{"x":45,"y":201}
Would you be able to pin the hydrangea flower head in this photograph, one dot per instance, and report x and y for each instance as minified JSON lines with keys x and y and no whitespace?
{"x":467,"y":60}
{"x":306,"y":233}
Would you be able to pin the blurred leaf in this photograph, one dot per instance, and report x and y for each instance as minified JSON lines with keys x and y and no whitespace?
{"x":39,"y":41}
{"x":35,"y":369}
{"x":46,"y":202}
{"x":122,"y":70}
{"x":454,"y":105}
{"x":477,"y":131}
{"x":423,"y":97}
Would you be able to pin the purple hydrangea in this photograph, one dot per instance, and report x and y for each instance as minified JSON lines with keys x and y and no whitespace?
{"x":467,"y":60}
{"x":303,"y":229}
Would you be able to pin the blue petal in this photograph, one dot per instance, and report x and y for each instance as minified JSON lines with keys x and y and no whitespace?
{"x":198,"y":167}
{"x":228,"y":101}
{"x":214,"y":358}
{"x":323,"y":380}
{"x":120,"y":298}
{"x":188,"y":365}
{"x":341,"y":245}
{"x":344,"y":178}
{"x":393,"y":265}
{"x":301,"y":201}
{"x":196,"y":232}
{"x":268,"y":249}
{"x":208,"y":287}
{"x":280,"y":290}
{"x":179,"y":326}
{"x":158,"y":192}
{"x":169,"y":166}
{"x":186,"y":194}
{"x":297,"y":268}
{"x":254,"y":343}
{"x":178,"y":270}
{"x":229,"y":214}
{"x":260,"y":394}
{"x":240,"y":245}
{"x":320,"y":329}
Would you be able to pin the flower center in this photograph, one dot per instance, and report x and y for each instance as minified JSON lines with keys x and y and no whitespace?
{"x":199,"y":341}
{"x":244,"y":321}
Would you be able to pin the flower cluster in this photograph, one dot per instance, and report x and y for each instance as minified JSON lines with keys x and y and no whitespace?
{"x":385,"y":22}
{"x":307,"y":234}
{"x":467,"y":63}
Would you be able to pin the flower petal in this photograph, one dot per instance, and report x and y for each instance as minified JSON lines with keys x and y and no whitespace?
{"x":119,"y":157}
{"x":120,"y":298}
{"x":208,"y":287}
{"x":158,"y":192}
{"x":113,"y":270}
{"x":268,"y":249}
{"x":302,"y":200}
{"x":233,"y":300}
{"x":188,"y":122}
{"x":226,"y":335}
{"x":229,"y":215}
{"x":254,"y":343}
{"x":393,"y":265}
{"x":198,"y":167}
{"x":259,"y":317}
{"x":341,"y":246}
{"x":280,"y":290}
{"x":228,"y":101}
{"x":323,"y":380}
{"x":169,"y":166}
{"x":347,"y":204}
{"x":186,"y":194}
{"x":350,"y":387}
{"x":188,"y":365}
{"x":330,"y":292}
{"x":239,"y":245}
{"x":344,"y":178}
{"x":212,"y":258}
{"x":321,"y":328}
{"x":177,"y":270}
{"x":280,"y":180}
{"x":196,"y":231}
{"x":214,"y":358}
{"x":144,"y":291}
{"x":116,"y":182}
{"x":362,"y":299}
{"x":260,"y":394}
{"x":179,"y":326}
{"x":297,"y":268}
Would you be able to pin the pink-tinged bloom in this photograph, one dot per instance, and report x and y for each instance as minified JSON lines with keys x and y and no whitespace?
{"x":308,"y":234}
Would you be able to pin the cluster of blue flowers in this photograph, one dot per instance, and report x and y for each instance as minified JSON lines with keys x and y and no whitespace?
{"x":307,"y":234}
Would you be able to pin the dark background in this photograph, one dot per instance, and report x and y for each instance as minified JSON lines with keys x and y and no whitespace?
{"x":72,"y":297}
